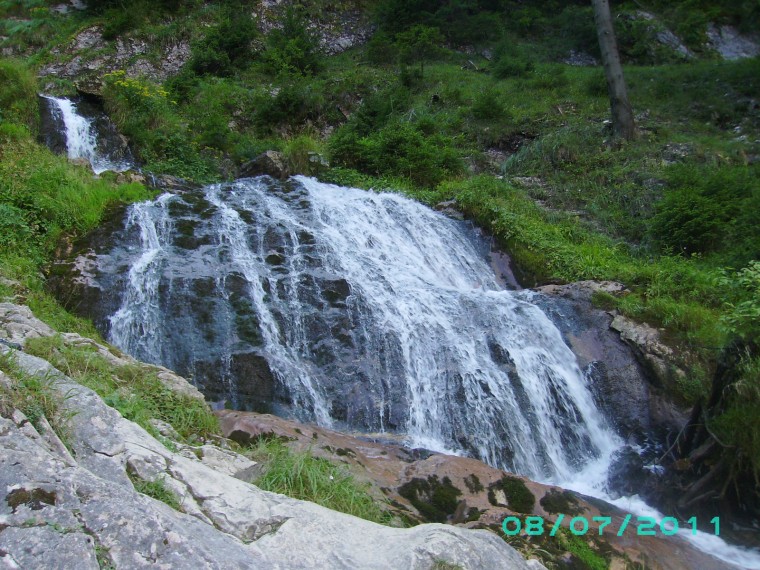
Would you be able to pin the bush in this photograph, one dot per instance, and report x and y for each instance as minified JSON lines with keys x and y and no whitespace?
{"x":144,"y":112}
{"x":399,"y":149}
{"x":710,"y":209}
{"x":226,"y":46}
{"x":295,"y":104}
{"x":294,"y":48}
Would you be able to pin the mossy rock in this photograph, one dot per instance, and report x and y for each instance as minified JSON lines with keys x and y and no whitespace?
{"x":435,"y":500}
{"x":565,"y":502}
{"x":518,"y":496}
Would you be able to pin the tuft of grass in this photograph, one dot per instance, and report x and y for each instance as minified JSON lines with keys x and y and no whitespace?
{"x":303,"y":476}
{"x":158,"y":490}
{"x":35,"y":397}
{"x":134,"y":390}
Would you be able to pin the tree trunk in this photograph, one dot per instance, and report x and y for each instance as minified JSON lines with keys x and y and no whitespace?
{"x":622,"y":115}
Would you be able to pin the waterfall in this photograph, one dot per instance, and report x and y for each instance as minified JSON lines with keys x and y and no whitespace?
{"x":371,"y":311}
{"x":363,"y":311}
{"x":93,"y":138}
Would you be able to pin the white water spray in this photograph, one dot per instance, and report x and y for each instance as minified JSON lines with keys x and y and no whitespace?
{"x":82,"y":137}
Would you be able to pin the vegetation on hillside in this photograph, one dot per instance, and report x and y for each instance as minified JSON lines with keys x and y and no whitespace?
{"x":444,"y":97}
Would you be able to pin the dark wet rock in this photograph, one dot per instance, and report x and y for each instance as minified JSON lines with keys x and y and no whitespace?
{"x":624,"y":386}
{"x":580,"y":59}
{"x":271,"y":163}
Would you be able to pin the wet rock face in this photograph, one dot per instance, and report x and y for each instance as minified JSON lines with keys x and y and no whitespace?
{"x":624,"y":385}
{"x":209,"y":324}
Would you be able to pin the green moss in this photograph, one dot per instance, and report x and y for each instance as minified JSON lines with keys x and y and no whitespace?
{"x":435,"y":499}
{"x":563,"y":502}
{"x":519,"y":497}
{"x":473,"y":484}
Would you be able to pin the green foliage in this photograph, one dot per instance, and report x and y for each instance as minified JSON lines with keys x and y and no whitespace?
{"x":144,"y":112}
{"x":737,"y":425}
{"x":742,"y":317}
{"x":435,"y":499}
{"x":309,"y":478}
{"x":134,"y":390}
{"x":227,"y":46}
{"x":18,"y":97}
{"x":710,"y":209}
{"x":419,"y":44}
{"x":294,"y":47}
{"x":294,"y":104}
{"x":158,"y":490}
{"x":399,"y":149}
{"x":43,"y":196}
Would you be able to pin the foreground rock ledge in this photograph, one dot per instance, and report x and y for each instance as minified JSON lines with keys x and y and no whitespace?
{"x":61,"y":512}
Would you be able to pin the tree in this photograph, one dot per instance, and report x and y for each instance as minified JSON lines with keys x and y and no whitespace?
{"x":419,"y":43}
{"x":622,"y":115}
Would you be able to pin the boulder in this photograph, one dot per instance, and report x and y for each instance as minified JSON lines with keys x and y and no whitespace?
{"x":271,"y":163}
{"x":730,"y":43}
{"x":625,"y":361}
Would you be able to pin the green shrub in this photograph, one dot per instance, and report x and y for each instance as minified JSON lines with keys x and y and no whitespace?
{"x":710,"y":209}
{"x":399,"y":149}
{"x":226,"y":46}
{"x":293,"y":48}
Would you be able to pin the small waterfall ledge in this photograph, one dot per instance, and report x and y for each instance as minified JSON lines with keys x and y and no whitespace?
{"x":82,"y":131}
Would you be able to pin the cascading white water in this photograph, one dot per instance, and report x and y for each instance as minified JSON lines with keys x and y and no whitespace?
{"x":483,"y":371}
{"x":374,"y":313}
{"x":82,"y":137}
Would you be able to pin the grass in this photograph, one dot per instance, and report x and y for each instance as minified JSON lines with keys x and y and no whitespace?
{"x":134,"y":390}
{"x":35,"y":397}
{"x":303,"y":476}
{"x":158,"y":490}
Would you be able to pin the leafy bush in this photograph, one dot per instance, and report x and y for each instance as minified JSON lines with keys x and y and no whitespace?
{"x":293,"y":48}
{"x":144,"y":112}
{"x":398,"y":149}
{"x":710,"y":209}
{"x":226,"y":46}
{"x":295,"y":104}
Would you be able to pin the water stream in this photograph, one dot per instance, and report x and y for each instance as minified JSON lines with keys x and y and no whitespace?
{"x":91,"y":137}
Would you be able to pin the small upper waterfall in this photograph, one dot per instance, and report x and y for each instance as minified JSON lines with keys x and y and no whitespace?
{"x":90,"y":136}
{"x":366,"y":310}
